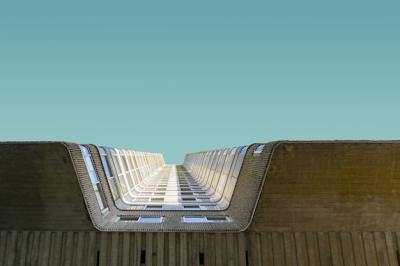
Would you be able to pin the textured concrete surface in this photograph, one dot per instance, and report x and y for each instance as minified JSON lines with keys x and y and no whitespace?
{"x":233,"y":249}
{"x":39,"y":189}
{"x":322,"y":203}
{"x":332,"y":186}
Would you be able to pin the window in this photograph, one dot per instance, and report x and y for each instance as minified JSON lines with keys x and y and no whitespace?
{"x":142,"y":219}
{"x":108,"y":167}
{"x":205,"y":219}
{"x":94,"y":179}
{"x":146,"y":183}
{"x":259,"y":149}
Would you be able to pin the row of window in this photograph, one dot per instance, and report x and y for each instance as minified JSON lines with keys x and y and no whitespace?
{"x":142,"y":180}
{"x":127,"y":171}
{"x":87,"y":157}
{"x":217,"y":171}
{"x":185,"y":219}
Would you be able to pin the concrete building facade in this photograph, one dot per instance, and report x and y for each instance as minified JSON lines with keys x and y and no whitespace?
{"x":277,"y":203}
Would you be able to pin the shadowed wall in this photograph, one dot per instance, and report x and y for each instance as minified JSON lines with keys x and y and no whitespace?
{"x":331,"y":186}
{"x":39,"y":188}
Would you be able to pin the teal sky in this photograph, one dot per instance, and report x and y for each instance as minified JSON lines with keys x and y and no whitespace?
{"x":187,"y":76}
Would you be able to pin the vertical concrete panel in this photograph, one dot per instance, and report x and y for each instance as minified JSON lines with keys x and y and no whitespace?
{"x":347,"y":249}
{"x":278,"y":249}
{"x":301,"y":248}
{"x":336,"y":249}
{"x":324,"y":249}
{"x":358,"y":248}
{"x":313,"y":250}
{"x":172,"y":252}
{"x":266,"y":249}
{"x":290,"y":248}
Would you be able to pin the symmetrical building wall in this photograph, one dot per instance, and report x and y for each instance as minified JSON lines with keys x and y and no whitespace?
{"x":172,"y":198}
{"x":278,"y":203}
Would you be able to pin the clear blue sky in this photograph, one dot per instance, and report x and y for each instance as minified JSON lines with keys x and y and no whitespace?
{"x":186,"y":76}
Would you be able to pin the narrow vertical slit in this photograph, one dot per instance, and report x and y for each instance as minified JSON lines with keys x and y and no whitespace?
{"x":201,"y":258}
{"x":143,"y":256}
{"x":398,"y":256}
{"x":247,"y":258}
{"x":98,"y":258}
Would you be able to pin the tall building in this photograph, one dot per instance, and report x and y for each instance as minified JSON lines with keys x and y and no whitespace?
{"x":277,"y":203}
